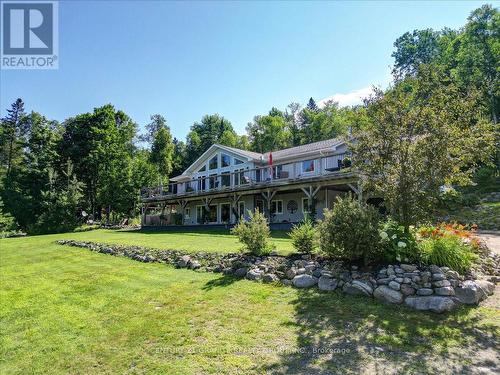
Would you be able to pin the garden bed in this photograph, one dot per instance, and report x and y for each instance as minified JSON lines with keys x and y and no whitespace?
{"x":432,"y":288}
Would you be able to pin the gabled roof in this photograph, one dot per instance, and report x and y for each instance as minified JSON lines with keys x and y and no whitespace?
{"x":293,"y":152}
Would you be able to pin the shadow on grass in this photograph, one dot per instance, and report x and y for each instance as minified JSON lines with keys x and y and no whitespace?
{"x":223,"y":281}
{"x":341,"y":334}
{"x":278,"y":234}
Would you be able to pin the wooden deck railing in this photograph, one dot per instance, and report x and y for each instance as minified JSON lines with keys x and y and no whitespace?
{"x":237,"y":179}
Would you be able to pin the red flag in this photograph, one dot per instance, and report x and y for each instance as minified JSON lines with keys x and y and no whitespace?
{"x":271,"y":163}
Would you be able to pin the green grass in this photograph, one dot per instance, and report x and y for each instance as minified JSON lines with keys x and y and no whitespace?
{"x":66,"y":310}
{"x":207,"y":240}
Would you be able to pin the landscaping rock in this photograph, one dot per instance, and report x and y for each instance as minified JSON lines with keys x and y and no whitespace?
{"x":445,"y":291}
{"x":425,"y":291}
{"x":431,"y":303}
{"x":438,"y":276}
{"x":394,"y":285}
{"x":270,"y":278}
{"x":254,"y":274}
{"x":441,"y":283}
{"x":383,"y":281}
{"x":407,"y":290}
{"x":408,"y":267}
{"x":291,"y":273}
{"x":327,"y":284}
{"x":357,"y":287}
{"x":194,"y":265}
{"x":304,"y":281}
{"x":183,"y":261}
{"x":388,"y":295}
{"x":473,"y":292}
{"x":241,"y":272}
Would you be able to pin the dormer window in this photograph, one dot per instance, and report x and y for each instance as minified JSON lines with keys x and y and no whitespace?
{"x":213,"y":163}
{"x":225,"y":160}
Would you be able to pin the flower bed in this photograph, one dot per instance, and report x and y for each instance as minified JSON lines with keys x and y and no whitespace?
{"x":432,"y":288}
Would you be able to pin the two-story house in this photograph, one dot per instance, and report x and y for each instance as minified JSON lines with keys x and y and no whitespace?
{"x":224,"y":183}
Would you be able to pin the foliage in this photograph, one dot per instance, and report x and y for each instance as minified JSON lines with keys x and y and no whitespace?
{"x":12,"y":136}
{"x":7,"y":222}
{"x":452,"y":199}
{"x":397,"y":244}
{"x":350,"y":231}
{"x":254,"y":233}
{"x":447,"y":250}
{"x":162,"y":152}
{"x":269,"y":133}
{"x":423,"y":133}
{"x":304,"y":237}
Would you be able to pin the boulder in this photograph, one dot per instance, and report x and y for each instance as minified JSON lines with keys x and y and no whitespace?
{"x":425,"y":291}
{"x":435,"y":304}
{"x":358,"y":287}
{"x":408,"y":267}
{"x":407,"y":290}
{"x":394,"y":285}
{"x":194,"y":265}
{"x":254,"y":274}
{"x":270,"y":278}
{"x":445,"y":291}
{"x":438,"y":276}
{"x":441,"y":283}
{"x":327,"y":283}
{"x":383,"y":281}
{"x":291,"y":273}
{"x":241,"y":272}
{"x":304,"y":281}
{"x":388,"y":295}
{"x":473,"y":292}
{"x":183,"y":261}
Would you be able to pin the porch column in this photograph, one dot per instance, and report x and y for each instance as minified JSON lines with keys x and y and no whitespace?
{"x":182,"y":203}
{"x":310,"y":193}
{"x":358,"y":190}
{"x":268,"y":195}
{"x":234,"y":199}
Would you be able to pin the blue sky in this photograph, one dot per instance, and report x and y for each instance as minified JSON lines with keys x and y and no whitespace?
{"x":238,"y":59}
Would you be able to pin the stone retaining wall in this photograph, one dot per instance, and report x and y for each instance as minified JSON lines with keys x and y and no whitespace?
{"x":432,"y":288}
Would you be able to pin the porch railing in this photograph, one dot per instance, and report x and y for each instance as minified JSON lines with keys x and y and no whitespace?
{"x":264,"y":175}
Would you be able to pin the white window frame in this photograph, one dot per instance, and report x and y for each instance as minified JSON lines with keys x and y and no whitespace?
{"x":229,"y":157}
{"x":277,"y":206}
{"x":216,"y":157}
{"x":313,"y":163}
{"x":305,"y":207}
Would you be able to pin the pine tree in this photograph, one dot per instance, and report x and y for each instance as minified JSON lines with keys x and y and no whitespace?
{"x":311,"y":105}
{"x":11,"y":134}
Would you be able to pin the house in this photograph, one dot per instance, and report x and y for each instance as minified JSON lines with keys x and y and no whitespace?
{"x":225,"y":183}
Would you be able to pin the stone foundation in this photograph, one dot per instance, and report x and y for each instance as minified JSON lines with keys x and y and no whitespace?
{"x":432,"y":288}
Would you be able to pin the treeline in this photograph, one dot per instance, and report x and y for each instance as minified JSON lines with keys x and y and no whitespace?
{"x":55,"y":175}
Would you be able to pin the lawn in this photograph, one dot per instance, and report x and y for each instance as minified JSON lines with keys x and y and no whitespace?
{"x":66,"y":310}
{"x":209,"y":240}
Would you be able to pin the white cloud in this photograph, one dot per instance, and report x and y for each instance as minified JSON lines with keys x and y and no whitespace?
{"x":351,"y":98}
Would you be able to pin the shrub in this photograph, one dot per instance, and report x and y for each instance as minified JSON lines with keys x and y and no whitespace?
{"x":396,"y":244}
{"x":449,"y":251}
{"x":304,"y":237}
{"x":254,"y":234}
{"x":350,"y":231}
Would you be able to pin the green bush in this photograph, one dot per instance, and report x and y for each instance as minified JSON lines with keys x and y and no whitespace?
{"x":396,"y":244}
{"x":449,"y":251}
{"x":254,"y":234}
{"x":350,"y":231}
{"x":304,"y":237}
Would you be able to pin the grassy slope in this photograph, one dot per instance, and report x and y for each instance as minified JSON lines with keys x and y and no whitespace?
{"x":68,"y":310}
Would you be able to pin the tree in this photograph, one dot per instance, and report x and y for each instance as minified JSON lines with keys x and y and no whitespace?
{"x":413,"y":49}
{"x":311,"y":105}
{"x":162,"y":153}
{"x":212,"y":129}
{"x":423,"y":133}
{"x":11,"y":135}
{"x":157,"y":122}
{"x":269,"y":133}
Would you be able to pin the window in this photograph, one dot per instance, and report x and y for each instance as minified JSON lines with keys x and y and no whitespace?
{"x":305,"y":205}
{"x":225,"y":179}
{"x":241,"y":209}
{"x":187,"y":213}
{"x":276,"y":207}
{"x":239,"y":177}
{"x":213,"y":163}
{"x":238,"y":161}
{"x":201,"y":183}
{"x":203,"y":216}
{"x":213,"y":183}
{"x":202,"y":169}
{"x":308,"y":166}
{"x":225,"y":160}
